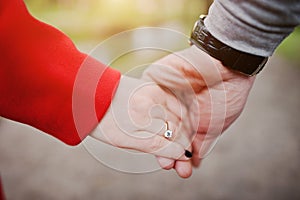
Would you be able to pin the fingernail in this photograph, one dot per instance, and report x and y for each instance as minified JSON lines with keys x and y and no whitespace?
{"x":188,"y":154}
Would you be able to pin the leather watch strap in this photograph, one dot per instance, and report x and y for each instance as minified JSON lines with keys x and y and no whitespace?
{"x":234,"y":59}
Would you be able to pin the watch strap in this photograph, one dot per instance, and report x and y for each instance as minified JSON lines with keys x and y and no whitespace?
{"x":234,"y":59}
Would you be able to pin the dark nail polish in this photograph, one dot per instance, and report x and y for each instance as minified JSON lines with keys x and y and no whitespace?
{"x":188,"y":154}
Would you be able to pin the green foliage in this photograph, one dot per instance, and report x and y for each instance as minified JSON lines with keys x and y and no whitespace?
{"x":86,"y":21}
{"x":98,"y":19}
{"x":290,"y":47}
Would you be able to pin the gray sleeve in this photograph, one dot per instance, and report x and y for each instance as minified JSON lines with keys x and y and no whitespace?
{"x":253,"y":26}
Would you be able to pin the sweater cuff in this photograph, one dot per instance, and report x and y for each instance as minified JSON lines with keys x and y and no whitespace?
{"x":254,"y":27}
{"x":93,"y":91}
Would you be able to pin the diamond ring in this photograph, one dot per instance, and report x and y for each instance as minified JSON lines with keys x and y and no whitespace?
{"x":168,"y":133}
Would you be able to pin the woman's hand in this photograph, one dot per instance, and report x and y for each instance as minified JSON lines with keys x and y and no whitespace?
{"x":137,"y":120}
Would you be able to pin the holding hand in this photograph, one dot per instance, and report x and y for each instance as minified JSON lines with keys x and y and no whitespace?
{"x":217,"y":98}
{"x":137,"y":120}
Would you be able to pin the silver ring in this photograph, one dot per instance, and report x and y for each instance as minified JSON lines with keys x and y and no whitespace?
{"x":168,"y":133}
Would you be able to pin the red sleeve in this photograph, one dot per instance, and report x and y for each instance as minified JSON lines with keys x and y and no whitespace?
{"x":45,"y":81}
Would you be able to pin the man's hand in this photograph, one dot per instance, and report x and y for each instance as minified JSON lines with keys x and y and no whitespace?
{"x":215,"y":96}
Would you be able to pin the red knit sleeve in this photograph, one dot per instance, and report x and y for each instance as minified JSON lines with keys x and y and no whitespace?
{"x":45,"y":81}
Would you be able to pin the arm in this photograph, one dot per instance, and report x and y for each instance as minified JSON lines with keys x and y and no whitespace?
{"x":39,"y":65}
{"x":220,"y":94}
{"x":47,"y":83}
{"x":253,"y":26}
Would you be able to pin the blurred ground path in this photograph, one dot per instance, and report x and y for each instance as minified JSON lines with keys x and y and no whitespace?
{"x":258,"y":157}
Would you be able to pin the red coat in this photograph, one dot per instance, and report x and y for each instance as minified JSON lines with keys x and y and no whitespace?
{"x":38,"y":69}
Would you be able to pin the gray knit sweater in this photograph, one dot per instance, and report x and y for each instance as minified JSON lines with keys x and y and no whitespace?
{"x":253,"y":26}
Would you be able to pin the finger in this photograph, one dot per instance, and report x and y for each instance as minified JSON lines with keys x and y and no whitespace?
{"x":177,"y":68}
{"x":141,"y":141}
{"x":171,"y":128}
{"x":197,"y":154}
{"x":165,"y":114}
{"x":195,"y":159}
{"x":156,"y":126}
{"x":168,"y":71}
{"x":174,"y":105}
{"x":165,"y":163}
{"x":156,"y":145}
{"x":158,"y":116}
{"x":182,"y":136}
{"x":196,"y":162}
{"x":183,"y":127}
{"x":183,"y":168}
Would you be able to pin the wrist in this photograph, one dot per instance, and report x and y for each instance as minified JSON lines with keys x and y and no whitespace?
{"x":243,"y":62}
{"x":214,"y":64}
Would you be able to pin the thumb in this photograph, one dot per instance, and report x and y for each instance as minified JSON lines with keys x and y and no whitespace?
{"x":167,"y":75}
{"x":175,"y":72}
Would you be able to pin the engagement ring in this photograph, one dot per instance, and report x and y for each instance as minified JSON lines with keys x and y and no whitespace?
{"x":168,"y":133}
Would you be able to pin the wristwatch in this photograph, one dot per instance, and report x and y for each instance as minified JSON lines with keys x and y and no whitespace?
{"x":245,"y":63}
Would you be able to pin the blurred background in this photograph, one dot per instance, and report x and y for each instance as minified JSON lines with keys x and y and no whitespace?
{"x":257,"y":158}
{"x":89,"y":22}
{"x":86,"y":21}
